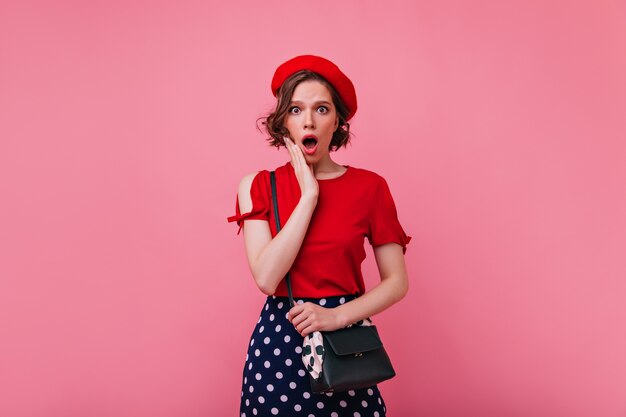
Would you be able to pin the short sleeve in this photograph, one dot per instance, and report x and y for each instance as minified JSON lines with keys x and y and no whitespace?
{"x":384,"y":226}
{"x":260,"y":204}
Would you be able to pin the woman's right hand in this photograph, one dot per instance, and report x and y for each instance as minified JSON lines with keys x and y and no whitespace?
{"x":309,"y":187}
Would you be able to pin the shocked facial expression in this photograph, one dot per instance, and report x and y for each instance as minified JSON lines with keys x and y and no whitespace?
{"x":312,"y":119}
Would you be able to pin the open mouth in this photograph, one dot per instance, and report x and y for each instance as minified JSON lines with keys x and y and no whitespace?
{"x":309,"y":142}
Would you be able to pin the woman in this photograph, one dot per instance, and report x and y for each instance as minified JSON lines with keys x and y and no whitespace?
{"x":326,"y":210}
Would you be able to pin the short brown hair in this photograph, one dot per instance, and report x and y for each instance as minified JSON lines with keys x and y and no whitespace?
{"x":273,"y":122}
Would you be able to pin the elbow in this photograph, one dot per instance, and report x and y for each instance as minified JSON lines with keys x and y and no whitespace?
{"x":266,"y":289}
{"x":265,"y":285}
{"x":405,"y":291}
{"x":262,"y":280}
{"x":403,"y":288}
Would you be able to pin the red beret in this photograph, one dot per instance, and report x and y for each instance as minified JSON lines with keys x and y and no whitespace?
{"x":323,"y":67}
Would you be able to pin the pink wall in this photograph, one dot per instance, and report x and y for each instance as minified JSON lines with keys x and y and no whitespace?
{"x":125,"y":128}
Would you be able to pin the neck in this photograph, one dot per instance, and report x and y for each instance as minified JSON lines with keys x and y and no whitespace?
{"x":326,"y":165}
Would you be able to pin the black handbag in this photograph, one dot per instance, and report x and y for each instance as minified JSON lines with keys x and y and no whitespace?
{"x":354,"y":357}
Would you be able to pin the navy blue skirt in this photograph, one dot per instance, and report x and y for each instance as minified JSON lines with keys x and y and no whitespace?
{"x":275,"y":382}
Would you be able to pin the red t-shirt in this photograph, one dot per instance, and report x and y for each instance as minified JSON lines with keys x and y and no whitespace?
{"x":355,"y":205}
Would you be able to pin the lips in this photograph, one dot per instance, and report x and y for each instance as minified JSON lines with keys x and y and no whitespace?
{"x":309,"y":141}
{"x":310,"y":144}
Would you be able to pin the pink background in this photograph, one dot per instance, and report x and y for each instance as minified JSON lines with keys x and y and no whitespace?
{"x":125,"y":128}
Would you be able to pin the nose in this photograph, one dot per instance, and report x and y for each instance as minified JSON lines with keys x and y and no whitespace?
{"x":308,"y":120}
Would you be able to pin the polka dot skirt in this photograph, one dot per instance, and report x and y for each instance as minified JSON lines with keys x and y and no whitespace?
{"x":275,"y":382}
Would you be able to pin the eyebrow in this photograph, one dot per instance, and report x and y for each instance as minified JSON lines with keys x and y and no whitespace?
{"x":317,"y":102}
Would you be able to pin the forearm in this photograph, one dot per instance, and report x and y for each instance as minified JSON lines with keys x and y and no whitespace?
{"x":277,"y":257}
{"x":391,"y":290}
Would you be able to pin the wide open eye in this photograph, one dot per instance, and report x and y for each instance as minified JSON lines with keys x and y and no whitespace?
{"x":291,"y":110}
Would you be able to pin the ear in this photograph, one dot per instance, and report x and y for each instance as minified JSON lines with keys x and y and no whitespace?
{"x":336,"y":123}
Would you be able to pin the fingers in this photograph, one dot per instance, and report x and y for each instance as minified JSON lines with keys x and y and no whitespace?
{"x":307,"y":318}
{"x":306,"y":328}
{"x":302,"y":323}
{"x":305,"y":173}
{"x":297,"y":315}
{"x":303,"y":320}
{"x":292,"y":152}
{"x":298,"y":155}
{"x":294,"y":311}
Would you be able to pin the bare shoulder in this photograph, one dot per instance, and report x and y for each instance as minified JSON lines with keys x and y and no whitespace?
{"x":243,"y":192}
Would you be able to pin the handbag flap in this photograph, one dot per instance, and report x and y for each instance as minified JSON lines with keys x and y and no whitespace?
{"x":355,"y":339}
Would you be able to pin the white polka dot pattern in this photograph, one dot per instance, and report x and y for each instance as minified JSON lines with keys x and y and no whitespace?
{"x":275,"y":381}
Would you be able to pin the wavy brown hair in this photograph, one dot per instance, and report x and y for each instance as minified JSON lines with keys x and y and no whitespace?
{"x":273,"y":122}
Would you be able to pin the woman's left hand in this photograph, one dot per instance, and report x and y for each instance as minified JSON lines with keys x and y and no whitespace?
{"x":310,"y":317}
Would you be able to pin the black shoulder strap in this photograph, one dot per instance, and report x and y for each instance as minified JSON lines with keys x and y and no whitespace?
{"x":277,"y":218}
